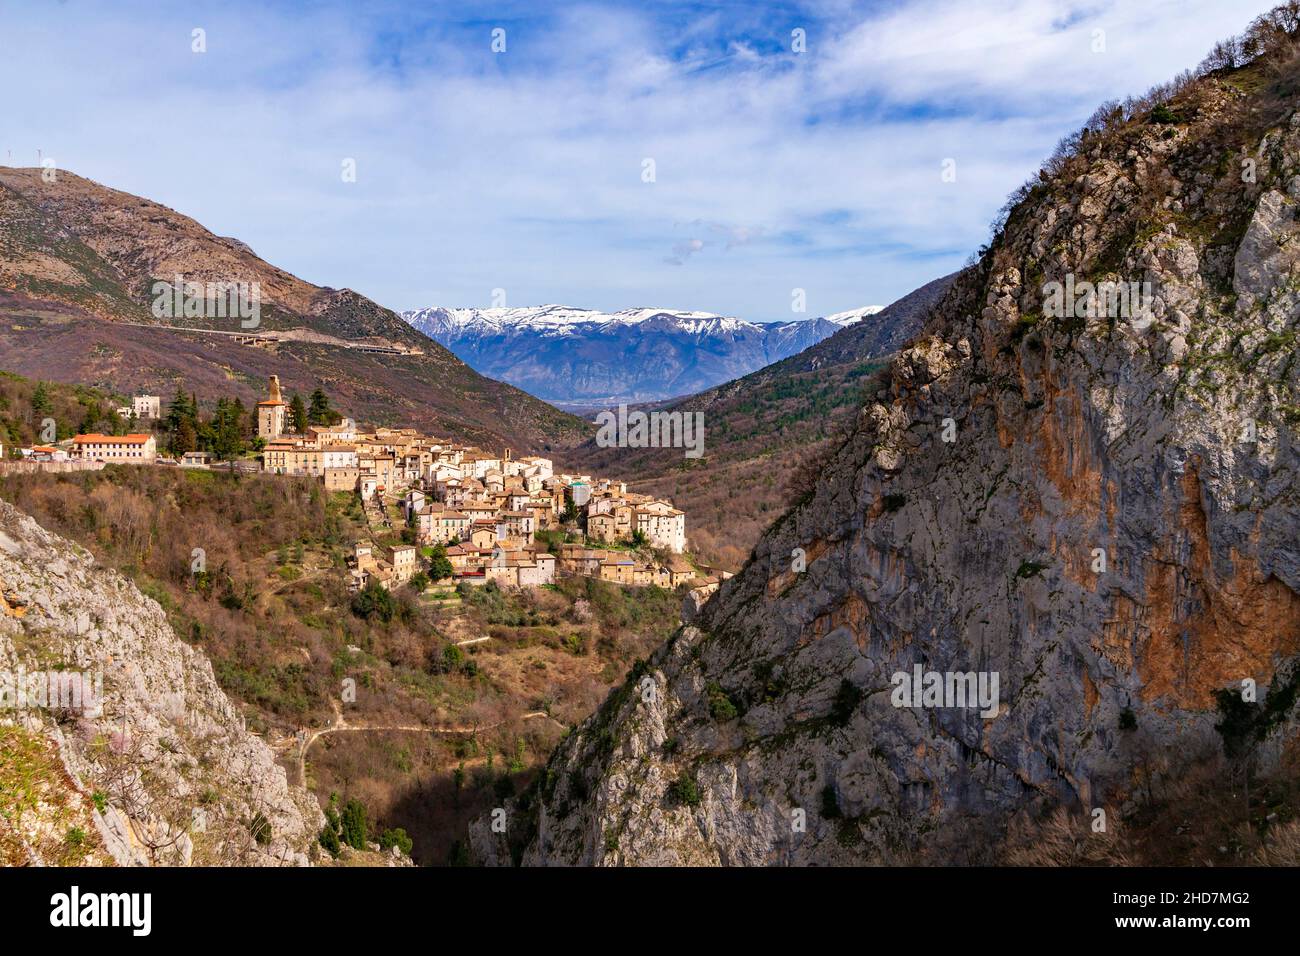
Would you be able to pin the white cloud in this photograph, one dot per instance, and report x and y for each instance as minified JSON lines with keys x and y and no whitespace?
{"x":523,"y":170}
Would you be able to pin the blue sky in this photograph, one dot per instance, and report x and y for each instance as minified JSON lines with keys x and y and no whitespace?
{"x":523,"y":170}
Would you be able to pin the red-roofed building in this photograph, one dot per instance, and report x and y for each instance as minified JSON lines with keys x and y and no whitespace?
{"x":133,"y":449}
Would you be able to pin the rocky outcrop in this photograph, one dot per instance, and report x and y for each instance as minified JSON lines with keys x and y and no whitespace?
{"x":152,"y":762}
{"x":1101,"y":508}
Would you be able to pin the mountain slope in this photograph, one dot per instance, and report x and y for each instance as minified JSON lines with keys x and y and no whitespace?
{"x":583,"y":357}
{"x":78,"y":262}
{"x":760,"y":428}
{"x":1163,"y":443}
{"x":162,"y":771}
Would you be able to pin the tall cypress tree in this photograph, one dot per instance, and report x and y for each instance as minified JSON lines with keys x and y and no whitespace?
{"x":298,"y":412}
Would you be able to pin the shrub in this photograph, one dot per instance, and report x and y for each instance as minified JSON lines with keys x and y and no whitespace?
{"x":396,"y":838}
{"x":354,"y":825}
{"x":439,"y":566}
{"x":374,"y":601}
{"x":1028,"y":569}
{"x":1163,"y":114}
{"x":720,"y":705}
{"x":329,"y":839}
{"x":685,"y":790}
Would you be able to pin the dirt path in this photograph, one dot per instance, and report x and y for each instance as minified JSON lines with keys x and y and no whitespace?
{"x":341,"y":725}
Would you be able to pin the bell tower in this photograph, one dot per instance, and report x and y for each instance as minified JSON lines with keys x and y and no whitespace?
{"x":271,"y":414}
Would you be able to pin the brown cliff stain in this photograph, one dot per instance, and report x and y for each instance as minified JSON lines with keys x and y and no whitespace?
{"x":1204,"y":630}
{"x":1089,"y":694}
{"x":852,"y":612}
{"x":1066,"y":443}
{"x":1076,"y":561}
{"x":1117,"y":642}
{"x":783,"y":579}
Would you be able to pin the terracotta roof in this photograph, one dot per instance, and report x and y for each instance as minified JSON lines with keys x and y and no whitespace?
{"x":111,"y":439}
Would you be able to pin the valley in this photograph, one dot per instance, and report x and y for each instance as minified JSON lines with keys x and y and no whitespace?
{"x":1004,"y":573}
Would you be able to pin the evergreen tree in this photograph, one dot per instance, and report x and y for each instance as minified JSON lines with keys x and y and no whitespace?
{"x":178,"y":409}
{"x":320,"y":412}
{"x":185,"y":438}
{"x":298,"y":414}
{"x":181,"y":423}
{"x":439,"y":565}
{"x":227,"y":431}
{"x":41,"y":404}
{"x":354,"y":825}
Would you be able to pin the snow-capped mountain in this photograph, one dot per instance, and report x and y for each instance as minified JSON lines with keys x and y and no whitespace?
{"x":854,"y":316}
{"x":585,"y":357}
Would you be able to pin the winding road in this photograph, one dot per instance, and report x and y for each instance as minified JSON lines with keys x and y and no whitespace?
{"x":341,"y":725}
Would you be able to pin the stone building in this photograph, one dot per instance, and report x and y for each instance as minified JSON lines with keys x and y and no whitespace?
{"x":272,"y":414}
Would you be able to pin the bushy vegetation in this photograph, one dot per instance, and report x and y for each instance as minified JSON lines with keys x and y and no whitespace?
{"x":26,"y":404}
{"x":685,"y":789}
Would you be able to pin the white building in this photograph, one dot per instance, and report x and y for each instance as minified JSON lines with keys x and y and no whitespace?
{"x":663,"y":525}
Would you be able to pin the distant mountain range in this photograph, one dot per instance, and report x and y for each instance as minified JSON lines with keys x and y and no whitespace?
{"x":583,"y":358}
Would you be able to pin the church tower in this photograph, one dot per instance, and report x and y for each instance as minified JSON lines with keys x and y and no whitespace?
{"x":271,"y":414}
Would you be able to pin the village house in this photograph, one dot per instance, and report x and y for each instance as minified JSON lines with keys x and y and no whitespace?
{"x":404,"y":563}
{"x":602,"y":527}
{"x":42,"y":453}
{"x":483,"y":534}
{"x":142,"y":407}
{"x":519,"y":524}
{"x":620,"y":570}
{"x":434,"y":525}
{"x":342,"y":479}
{"x":521,"y":569}
{"x":344,"y":433}
{"x":663,"y":525}
{"x":412,"y":502}
{"x":295,"y":456}
{"x":367,"y":568}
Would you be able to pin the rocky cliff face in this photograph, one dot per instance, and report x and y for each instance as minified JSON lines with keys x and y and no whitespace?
{"x":160,"y":770}
{"x":1101,"y":508}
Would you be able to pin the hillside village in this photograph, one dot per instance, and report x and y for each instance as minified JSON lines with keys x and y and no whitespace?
{"x":461,"y":514}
